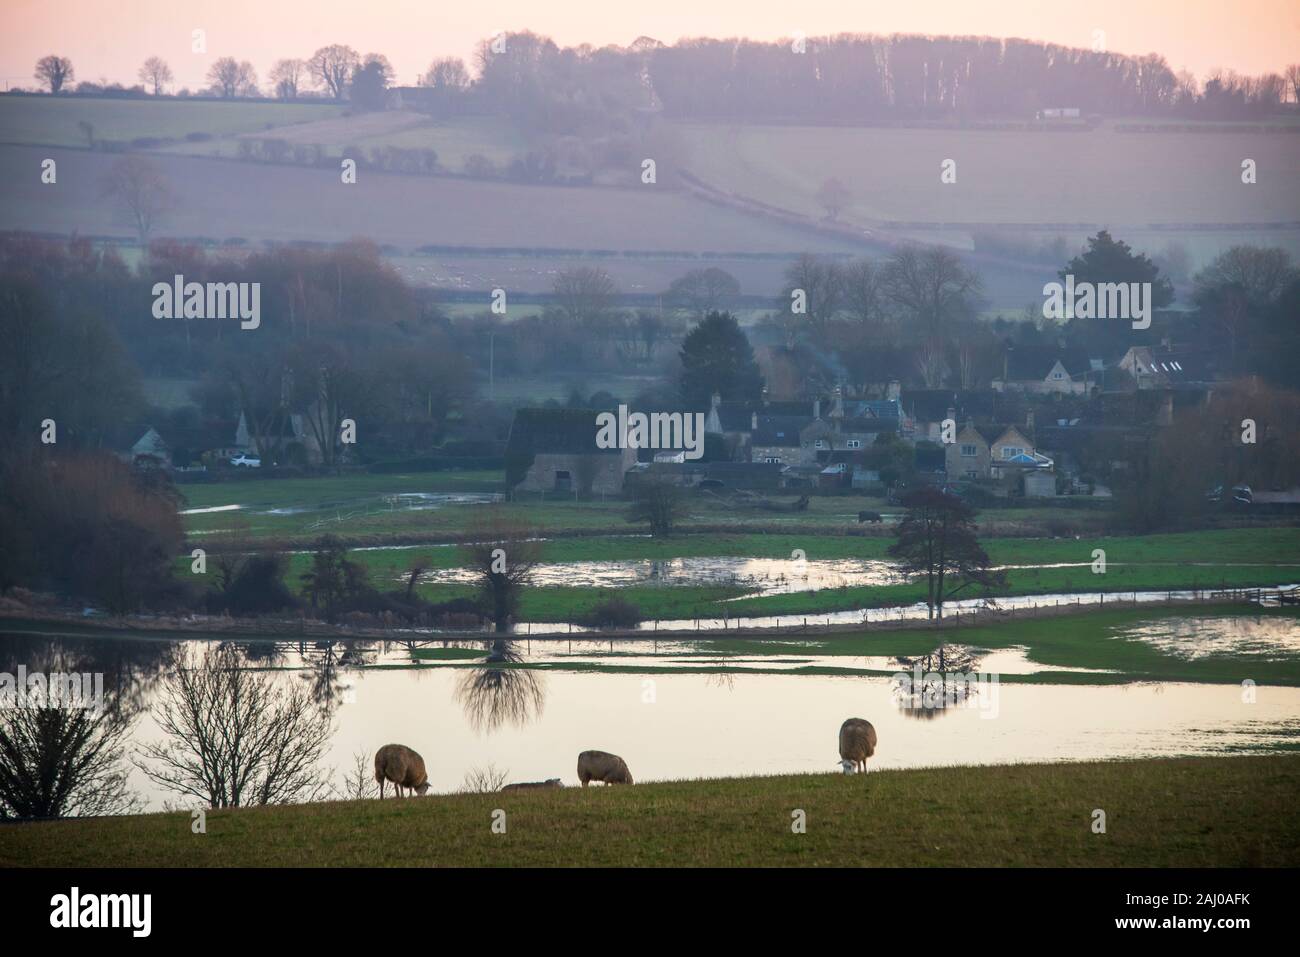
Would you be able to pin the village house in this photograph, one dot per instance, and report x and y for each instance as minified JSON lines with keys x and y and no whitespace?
{"x":191,"y":447}
{"x":284,"y":437}
{"x":1162,"y":367}
{"x":555,"y":450}
{"x":992,"y":452}
{"x":1045,"y":370}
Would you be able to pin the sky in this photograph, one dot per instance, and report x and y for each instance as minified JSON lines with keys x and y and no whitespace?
{"x":109,"y":39}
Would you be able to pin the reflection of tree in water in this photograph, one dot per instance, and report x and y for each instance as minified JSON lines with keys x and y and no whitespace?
{"x":720,"y":679}
{"x":943,"y":686}
{"x":501,"y":692}
{"x":325,"y":662}
{"x":59,"y":760}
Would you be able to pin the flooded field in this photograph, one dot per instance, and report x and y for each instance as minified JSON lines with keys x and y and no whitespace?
{"x":764,"y":576}
{"x":685,"y":709}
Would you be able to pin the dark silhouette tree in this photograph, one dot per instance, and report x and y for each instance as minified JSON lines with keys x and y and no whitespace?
{"x":937,"y":540}
{"x":657,"y":503}
{"x":1112,"y":260}
{"x":54,"y":71}
{"x":717,"y":357}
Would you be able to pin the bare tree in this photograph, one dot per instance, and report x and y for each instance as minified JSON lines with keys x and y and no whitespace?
{"x":332,"y":67}
{"x":821,"y":282}
{"x":703,"y":290}
{"x":446,"y":73}
{"x":235,"y":737}
{"x":286,"y":77}
{"x":502,"y":558}
{"x":140,"y":189}
{"x":359,"y":782}
{"x":233,"y":78}
{"x":586,"y":294}
{"x":1292,"y":75}
{"x":486,"y":780}
{"x":659,"y":504}
{"x":54,"y":71}
{"x":156,"y":72}
{"x":931,"y":288}
{"x":860,"y":287}
{"x":833,"y":196}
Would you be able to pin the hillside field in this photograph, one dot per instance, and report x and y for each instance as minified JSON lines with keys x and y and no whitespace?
{"x":1188,"y":812}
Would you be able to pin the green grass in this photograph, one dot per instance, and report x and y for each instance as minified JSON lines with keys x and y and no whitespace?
{"x":1108,"y":642}
{"x":52,"y":121}
{"x":1187,"y":812}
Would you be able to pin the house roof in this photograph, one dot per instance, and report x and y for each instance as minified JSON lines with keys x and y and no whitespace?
{"x":1036,"y":362}
{"x":779,"y":430}
{"x":556,"y":431}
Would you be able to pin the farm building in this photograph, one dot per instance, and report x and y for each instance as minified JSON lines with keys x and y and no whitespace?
{"x":555,"y":450}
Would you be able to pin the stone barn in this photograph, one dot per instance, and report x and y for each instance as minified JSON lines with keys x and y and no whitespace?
{"x":555,"y":450}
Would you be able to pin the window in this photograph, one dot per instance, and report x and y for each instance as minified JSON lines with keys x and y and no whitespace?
{"x":855,"y":443}
{"x":1010,"y":451}
{"x":971,"y":473}
{"x":968,"y":451}
{"x":772,"y":460}
{"x":1057,"y":375}
{"x":820,"y":444}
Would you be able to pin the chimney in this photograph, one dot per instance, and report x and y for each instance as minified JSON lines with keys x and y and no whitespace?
{"x":1029,"y":424}
{"x":716,"y":399}
{"x":893,"y":390}
{"x":952,"y":414}
{"x":765,"y":395}
{"x":1166,"y":414}
{"x":753,"y":422}
{"x":817,"y":408}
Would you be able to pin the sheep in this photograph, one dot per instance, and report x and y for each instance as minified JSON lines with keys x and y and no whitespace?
{"x":857,"y":743}
{"x":402,"y":766}
{"x":525,"y":785}
{"x":602,"y":766}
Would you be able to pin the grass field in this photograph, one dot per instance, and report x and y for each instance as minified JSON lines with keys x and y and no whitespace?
{"x":1190,"y":812}
{"x":1113,"y":645}
{"x":260,"y":202}
{"x":1101,"y":176}
{"x":53,"y":121}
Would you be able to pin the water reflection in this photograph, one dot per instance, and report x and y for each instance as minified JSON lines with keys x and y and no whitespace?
{"x":763,"y":576}
{"x":500,"y":692}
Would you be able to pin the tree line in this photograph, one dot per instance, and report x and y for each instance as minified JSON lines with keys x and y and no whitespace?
{"x":847,"y":78}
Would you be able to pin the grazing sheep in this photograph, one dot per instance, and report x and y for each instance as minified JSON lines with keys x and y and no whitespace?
{"x":402,"y":766}
{"x":849,"y":767}
{"x":602,"y":766}
{"x":869,"y":517}
{"x":857,"y":743}
{"x":525,"y":785}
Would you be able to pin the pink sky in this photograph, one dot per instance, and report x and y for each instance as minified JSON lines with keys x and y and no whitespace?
{"x":110,"y":38}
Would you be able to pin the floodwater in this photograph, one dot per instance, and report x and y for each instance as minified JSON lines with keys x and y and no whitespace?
{"x":764,"y":576}
{"x":463,"y":710}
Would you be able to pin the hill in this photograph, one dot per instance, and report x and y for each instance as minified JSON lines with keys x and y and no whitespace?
{"x":1191,"y":812}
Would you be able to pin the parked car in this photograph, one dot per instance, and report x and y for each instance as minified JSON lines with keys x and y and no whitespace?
{"x":246,"y":461}
{"x":1242,"y":495}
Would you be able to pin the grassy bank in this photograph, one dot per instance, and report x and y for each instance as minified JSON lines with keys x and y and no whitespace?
{"x":1193,"y":812}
